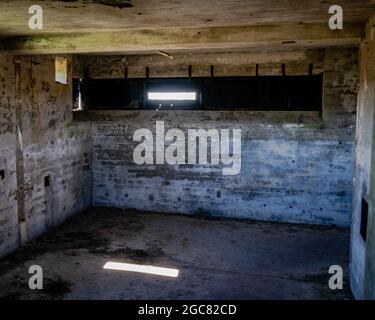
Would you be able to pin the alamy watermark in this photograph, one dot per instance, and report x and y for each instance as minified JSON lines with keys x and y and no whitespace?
{"x":175,"y":147}
{"x":336,"y":280}
{"x":36,"y":280}
{"x":337,"y":18}
{"x":36,"y":18}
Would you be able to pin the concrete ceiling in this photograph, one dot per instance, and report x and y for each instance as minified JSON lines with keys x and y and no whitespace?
{"x":113,"y":15}
{"x":80,"y":26}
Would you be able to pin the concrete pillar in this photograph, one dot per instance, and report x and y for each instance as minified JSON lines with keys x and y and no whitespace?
{"x":362,"y":253}
{"x":369,"y":100}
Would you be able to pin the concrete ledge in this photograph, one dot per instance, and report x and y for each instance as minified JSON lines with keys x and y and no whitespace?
{"x":296,"y":119}
{"x":188,"y":38}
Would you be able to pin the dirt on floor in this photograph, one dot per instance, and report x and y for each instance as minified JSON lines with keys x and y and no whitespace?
{"x":216,"y":258}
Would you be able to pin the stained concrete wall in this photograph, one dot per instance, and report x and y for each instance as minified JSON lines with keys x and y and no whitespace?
{"x":9,"y":236}
{"x":51,"y":144}
{"x":362,"y":254}
{"x":295,"y":166}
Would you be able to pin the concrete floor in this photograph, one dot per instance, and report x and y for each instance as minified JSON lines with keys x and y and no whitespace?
{"x":217,"y":259}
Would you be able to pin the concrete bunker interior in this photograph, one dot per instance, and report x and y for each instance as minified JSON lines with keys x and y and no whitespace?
{"x":73,"y":198}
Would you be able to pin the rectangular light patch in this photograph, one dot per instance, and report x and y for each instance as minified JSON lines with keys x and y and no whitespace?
{"x":141,"y":269}
{"x":172,"y":96}
{"x":61,"y":70}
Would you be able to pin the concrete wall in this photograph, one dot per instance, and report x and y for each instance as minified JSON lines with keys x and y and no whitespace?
{"x":362,"y":254}
{"x":9,"y":236}
{"x":295,"y":167}
{"x":51,"y":144}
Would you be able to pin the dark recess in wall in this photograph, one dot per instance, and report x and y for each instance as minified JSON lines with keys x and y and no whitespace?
{"x":364,"y":218}
{"x":110,"y":93}
{"x":261,"y":93}
{"x":47,"y":181}
{"x":112,"y":3}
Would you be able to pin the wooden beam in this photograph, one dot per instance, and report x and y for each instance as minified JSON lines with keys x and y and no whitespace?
{"x":145,"y":40}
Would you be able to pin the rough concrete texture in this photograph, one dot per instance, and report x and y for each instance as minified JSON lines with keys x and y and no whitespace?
{"x":340,"y":69}
{"x":370,"y":247}
{"x":50,"y":146}
{"x":362,"y":254}
{"x":107,"y":15}
{"x":9,"y":236}
{"x":54,"y":147}
{"x":216,"y":259}
{"x":293,"y":169}
{"x":225,"y":64}
{"x":275,"y":37}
